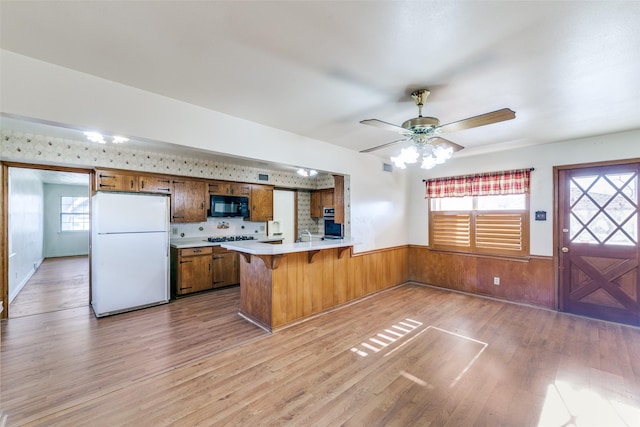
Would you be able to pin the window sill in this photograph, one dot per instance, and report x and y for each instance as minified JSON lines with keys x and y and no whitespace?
{"x":516,"y":258}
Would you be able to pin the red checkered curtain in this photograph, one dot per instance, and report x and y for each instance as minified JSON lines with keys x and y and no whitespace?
{"x":482,"y":184}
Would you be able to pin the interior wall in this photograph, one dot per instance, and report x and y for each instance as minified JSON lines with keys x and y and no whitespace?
{"x":284,"y":213}
{"x":40,"y":90}
{"x":26,"y":214}
{"x":543,"y":158}
{"x":58,"y":243}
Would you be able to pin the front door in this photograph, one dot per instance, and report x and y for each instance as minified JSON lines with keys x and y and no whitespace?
{"x":599,"y":251}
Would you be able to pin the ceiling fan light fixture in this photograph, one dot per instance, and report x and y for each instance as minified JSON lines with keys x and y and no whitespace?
{"x":428,"y":162}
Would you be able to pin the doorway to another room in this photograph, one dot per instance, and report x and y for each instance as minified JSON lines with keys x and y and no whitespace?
{"x":48,"y":240}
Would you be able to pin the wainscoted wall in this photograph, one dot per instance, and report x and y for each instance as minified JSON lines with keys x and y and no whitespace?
{"x":304,"y":289}
{"x":527,"y":281}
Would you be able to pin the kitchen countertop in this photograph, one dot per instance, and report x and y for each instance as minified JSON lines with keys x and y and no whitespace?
{"x":196,"y":242}
{"x":254,"y":247}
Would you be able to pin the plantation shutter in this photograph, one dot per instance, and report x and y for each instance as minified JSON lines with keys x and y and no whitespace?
{"x":500,"y":232}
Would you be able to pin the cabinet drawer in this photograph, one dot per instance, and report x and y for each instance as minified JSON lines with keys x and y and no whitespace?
{"x":196,"y":251}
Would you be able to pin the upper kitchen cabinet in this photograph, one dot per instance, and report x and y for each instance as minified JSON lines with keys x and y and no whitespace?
{"x":226,"y":188}
{"x":321,"y":199}
{"x":338,"y":199}
{"x":261,"y":203}
{"x":189,"y":199}
{"x":154,"y":184}
{"x":240,"y":189}
{"x":109,"y":180}
{"x":115,"y":180}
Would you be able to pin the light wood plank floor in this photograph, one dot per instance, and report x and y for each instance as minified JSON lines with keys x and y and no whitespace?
{"x":413,"y":355}
{"x":58,"y":284}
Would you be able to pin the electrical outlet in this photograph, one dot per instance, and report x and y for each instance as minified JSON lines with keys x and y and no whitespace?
{"x":174,"y":231}
{"x":496,"y":280}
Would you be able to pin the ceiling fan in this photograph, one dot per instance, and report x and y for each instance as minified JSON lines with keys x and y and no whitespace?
{"x":424,"y":133}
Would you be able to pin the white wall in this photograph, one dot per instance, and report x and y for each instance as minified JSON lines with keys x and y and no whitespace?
{"x":62,"y":243}
{"x":44,"y":91}
{"x":25,"y":228}
{"x":543,"y":158}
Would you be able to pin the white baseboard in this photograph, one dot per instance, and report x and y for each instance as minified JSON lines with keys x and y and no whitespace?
{"x":16,"y":291}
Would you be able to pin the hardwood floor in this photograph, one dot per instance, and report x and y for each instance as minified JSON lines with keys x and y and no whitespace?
{"x":412,"y":355}
{"x":58,"y":284}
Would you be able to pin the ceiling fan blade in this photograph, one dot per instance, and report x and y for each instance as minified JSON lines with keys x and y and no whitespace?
{"x":384,"y":125}
{"x":445,"y":143}
{"x":481,"y":120}
{"x":383,"y":146}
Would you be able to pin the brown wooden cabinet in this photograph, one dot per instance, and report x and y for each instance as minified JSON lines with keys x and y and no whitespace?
{"x":226,"y":268}
{"x":107,"y":180}
{"x":227,"y":188}
{"x":221,"y":188}
{"x":240,"y":189}
{"x":154,"y":184}
{"x":261,"y":202}
{"x":115,"y":180}
{"x":338,"y":199}
{"x":321,"y":199}
{"x":191,"y":270}
{"x":188,"y":201}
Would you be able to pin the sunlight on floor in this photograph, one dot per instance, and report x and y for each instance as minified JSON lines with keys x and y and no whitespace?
{"x":399,"y":335}
{"x":391,"y":335}
{"x":568,"y":406}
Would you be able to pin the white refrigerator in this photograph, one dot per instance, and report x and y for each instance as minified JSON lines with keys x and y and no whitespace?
{"x":129,"y":252}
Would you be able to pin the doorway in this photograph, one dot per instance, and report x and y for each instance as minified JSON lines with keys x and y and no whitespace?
{"x":598,"y":242}
{"x":285,"y":214}
{"x":47,"y":239}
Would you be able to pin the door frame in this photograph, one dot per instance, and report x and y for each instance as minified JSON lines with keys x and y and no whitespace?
{"x":556,"y":217}
{"x":4,"y":221}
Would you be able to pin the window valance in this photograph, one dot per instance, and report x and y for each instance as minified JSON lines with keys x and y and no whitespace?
{"x":482,"y":184}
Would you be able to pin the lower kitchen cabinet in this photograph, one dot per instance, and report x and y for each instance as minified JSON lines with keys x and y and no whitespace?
{"x":191,"y":270}
{"x":203,"y":268}
{"x":226,"y":268}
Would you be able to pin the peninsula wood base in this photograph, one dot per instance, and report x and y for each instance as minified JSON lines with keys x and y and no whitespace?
{"x":307,"y":283}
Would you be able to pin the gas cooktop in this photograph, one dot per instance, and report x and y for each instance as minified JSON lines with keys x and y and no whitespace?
{"x":229,"y":238}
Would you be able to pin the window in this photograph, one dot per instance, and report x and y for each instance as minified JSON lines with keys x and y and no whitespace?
{"x":469,"y":214}
{"x":74,"y":213}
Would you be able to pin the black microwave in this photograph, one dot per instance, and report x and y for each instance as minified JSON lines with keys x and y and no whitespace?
{"x":229,"y":206}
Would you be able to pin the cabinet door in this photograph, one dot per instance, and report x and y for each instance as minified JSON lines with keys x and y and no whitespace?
{"x":115,"y":181}
{"x":316,"y":204}
{"x":238,"y":189}
{"x":320,"y":199}
{"x":338,"y":198}
{"x":327,"y":199}
{"x":196,"y":274}
{"x":154,"y":184}
{"x":188,"y":201}
{"x":225,"y":269}
{"x":261,"y":203}
{"x":219,"y":188}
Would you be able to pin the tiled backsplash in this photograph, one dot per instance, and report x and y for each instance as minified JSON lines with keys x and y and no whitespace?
{"x":218,"y":227}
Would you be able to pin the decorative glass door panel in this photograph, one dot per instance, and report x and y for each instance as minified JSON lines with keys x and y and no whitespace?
{"x":599,"y":242}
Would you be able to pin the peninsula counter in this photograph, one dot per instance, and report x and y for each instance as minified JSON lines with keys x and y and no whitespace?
{"x":280,"y":284}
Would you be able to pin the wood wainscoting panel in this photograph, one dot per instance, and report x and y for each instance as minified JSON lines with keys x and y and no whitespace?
{"x":299,"y":288}
{"x":255,"y":292}
{"x":527,"y":281}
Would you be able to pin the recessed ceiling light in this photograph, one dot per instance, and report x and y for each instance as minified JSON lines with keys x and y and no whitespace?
{"x":95,"y":137}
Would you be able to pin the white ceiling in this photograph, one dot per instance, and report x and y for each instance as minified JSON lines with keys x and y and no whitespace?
{"x":316,"y":68}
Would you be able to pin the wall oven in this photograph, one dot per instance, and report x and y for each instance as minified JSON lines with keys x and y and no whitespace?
{"x":331,"y":229}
